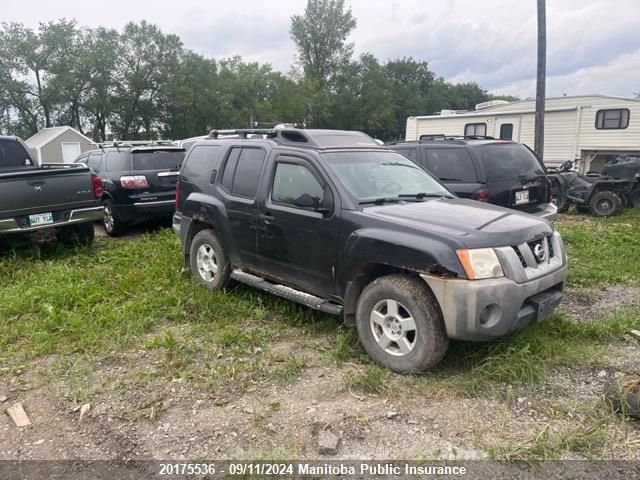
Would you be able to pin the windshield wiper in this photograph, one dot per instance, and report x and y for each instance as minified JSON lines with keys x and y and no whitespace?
{"x":380,"y":201}
{"x":422,"y":195}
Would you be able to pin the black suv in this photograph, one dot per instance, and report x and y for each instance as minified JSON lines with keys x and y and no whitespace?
{"x":139,"y":182}
{"x":334,"y":221}
{"x":501,"y":172}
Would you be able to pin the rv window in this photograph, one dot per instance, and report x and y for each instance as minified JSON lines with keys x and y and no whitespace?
{"x":506,"y":131}
{"x":475,"y":129}
{"x":612,"y":119}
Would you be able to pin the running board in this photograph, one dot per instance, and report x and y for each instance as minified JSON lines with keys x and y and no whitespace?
{"x":292,"y":294}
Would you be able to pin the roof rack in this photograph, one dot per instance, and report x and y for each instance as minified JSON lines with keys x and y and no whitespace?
{"x":319,"y":139}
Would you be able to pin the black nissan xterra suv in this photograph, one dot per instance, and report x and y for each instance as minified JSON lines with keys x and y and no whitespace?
{"x":139,"y":182}
{"x":502,"y":172}
{"x":334,"y":221}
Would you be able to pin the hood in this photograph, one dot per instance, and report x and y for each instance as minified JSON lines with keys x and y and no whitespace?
{"x":473,"y":224}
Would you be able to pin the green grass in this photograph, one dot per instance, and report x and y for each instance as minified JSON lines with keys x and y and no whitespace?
{"x":120,"y":295}
{"x":602,"y":251}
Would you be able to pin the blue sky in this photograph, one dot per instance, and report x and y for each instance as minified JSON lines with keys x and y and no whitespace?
{"x":593,"y":45}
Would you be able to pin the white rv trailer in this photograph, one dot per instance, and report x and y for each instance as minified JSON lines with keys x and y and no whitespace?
{"x":590,"y":129}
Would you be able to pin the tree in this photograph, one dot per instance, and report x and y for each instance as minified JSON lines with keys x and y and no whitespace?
{"x":147,"y":61}
{"x":320,"y":36}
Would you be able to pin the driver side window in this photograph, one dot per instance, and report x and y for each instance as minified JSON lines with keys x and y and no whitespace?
{"x":294,"y":185}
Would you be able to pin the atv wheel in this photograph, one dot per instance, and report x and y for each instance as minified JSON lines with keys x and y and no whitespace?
{"x":605,"y":204}
{"x":560,"y":201}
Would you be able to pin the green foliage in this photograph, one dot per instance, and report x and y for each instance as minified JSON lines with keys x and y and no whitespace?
{"x":140,"y":83}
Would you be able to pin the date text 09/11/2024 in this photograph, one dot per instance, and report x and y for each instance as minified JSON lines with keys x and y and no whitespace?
{"x":324,"y":469}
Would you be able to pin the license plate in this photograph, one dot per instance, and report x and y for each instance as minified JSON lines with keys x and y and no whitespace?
{"x":547,"y":306}
{"x":40,"y":219}
{"x":522,"y":197}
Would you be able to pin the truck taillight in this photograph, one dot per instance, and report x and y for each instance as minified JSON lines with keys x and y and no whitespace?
{"x":96,"y":181}
{"x":134,"y":181}
{"x":481,"y":194}
{"x":177,"y":195}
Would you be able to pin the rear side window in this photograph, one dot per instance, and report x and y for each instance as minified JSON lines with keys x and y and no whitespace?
{"x":242,"y":171}
{"x":410,"y":153}
{"x":201,"y":163}
{"x":94,"y":161}
{"x":13,"y":154}
{"x":508,"y":161}
{"x":451,"y":165}
{"x":157,"y":160}
{"x":117,"y":161}
{"x":245,"y":180}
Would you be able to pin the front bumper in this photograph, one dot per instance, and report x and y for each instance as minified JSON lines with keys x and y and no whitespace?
{"x":478,"y":310}
{"x":79,"y":215}
{"x":494,"y":307}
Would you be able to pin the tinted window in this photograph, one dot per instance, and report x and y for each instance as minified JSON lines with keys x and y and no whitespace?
{"x":508,"y":161}
{"x":200,"y":164}
{"x":13,"y":154}
{"x":410,"y":153}
{"x":117,"y":161}
{"x":612,"y":119}
{"x":451,"y":164}
{"x":506,"y":131}
{"x":230,"y":168}
{"x":245,"y":180}
{"x":291,"y":181}
{"x":94,"y":161}
{"x":473,"y":129}
{"x":157,"y":159}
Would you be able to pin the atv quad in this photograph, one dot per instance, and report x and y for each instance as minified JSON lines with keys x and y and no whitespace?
{"x":602,"y":196}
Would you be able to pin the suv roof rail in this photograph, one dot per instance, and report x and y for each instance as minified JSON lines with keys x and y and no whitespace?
{"x":134,"y":143}
{"x":304,"y":138}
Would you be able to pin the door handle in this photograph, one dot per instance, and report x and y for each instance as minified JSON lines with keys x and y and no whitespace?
{"x":267,"y":217}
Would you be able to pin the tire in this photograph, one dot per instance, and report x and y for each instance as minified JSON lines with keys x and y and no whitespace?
{"x":605,"y":204}
{"x":112,"y":224}
{"x":82,"y":234}
{"x":208,"y":261}
{"x":560,"y":201}
{"x":634,"y":198}
{"x":392,"y":301}
{"x":621,"y":398}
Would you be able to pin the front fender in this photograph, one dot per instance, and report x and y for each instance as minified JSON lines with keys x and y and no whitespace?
{"x":404,"y":250}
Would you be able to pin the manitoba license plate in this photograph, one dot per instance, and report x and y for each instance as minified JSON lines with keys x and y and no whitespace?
{"x":522,"y":197}
{"x":40,"y":219}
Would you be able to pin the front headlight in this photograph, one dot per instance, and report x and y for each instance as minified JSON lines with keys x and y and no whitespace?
{"x":480,"y":263}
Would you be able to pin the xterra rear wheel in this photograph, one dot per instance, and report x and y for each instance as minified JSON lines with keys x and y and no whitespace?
{"x":605,"y":204}
{"x":208,"y":260}
{"x":400,"y":324}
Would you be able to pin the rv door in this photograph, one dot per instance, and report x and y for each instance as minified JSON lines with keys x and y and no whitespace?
{"x":507,"y":128}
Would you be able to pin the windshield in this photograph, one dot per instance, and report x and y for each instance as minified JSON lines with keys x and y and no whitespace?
{"x":508,"y":161}
{"x":373,"y":175}
{"x":157,"y":159}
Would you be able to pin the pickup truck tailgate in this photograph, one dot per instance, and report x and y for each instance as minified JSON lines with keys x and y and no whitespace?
{"x":46,"y":189}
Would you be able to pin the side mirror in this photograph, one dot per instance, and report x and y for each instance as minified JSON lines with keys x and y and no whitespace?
{"x":306,"y":201}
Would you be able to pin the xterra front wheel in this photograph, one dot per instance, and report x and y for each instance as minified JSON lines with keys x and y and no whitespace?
{"x":605,"y":204}
{"x":400,"y":324}
{"x":208,"y":260}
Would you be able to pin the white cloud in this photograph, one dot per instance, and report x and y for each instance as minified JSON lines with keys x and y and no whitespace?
{"x":592,"y":46}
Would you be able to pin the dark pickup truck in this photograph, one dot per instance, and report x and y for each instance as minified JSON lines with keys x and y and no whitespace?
{"x":334,"y":221}
{"x":46,"y":199}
